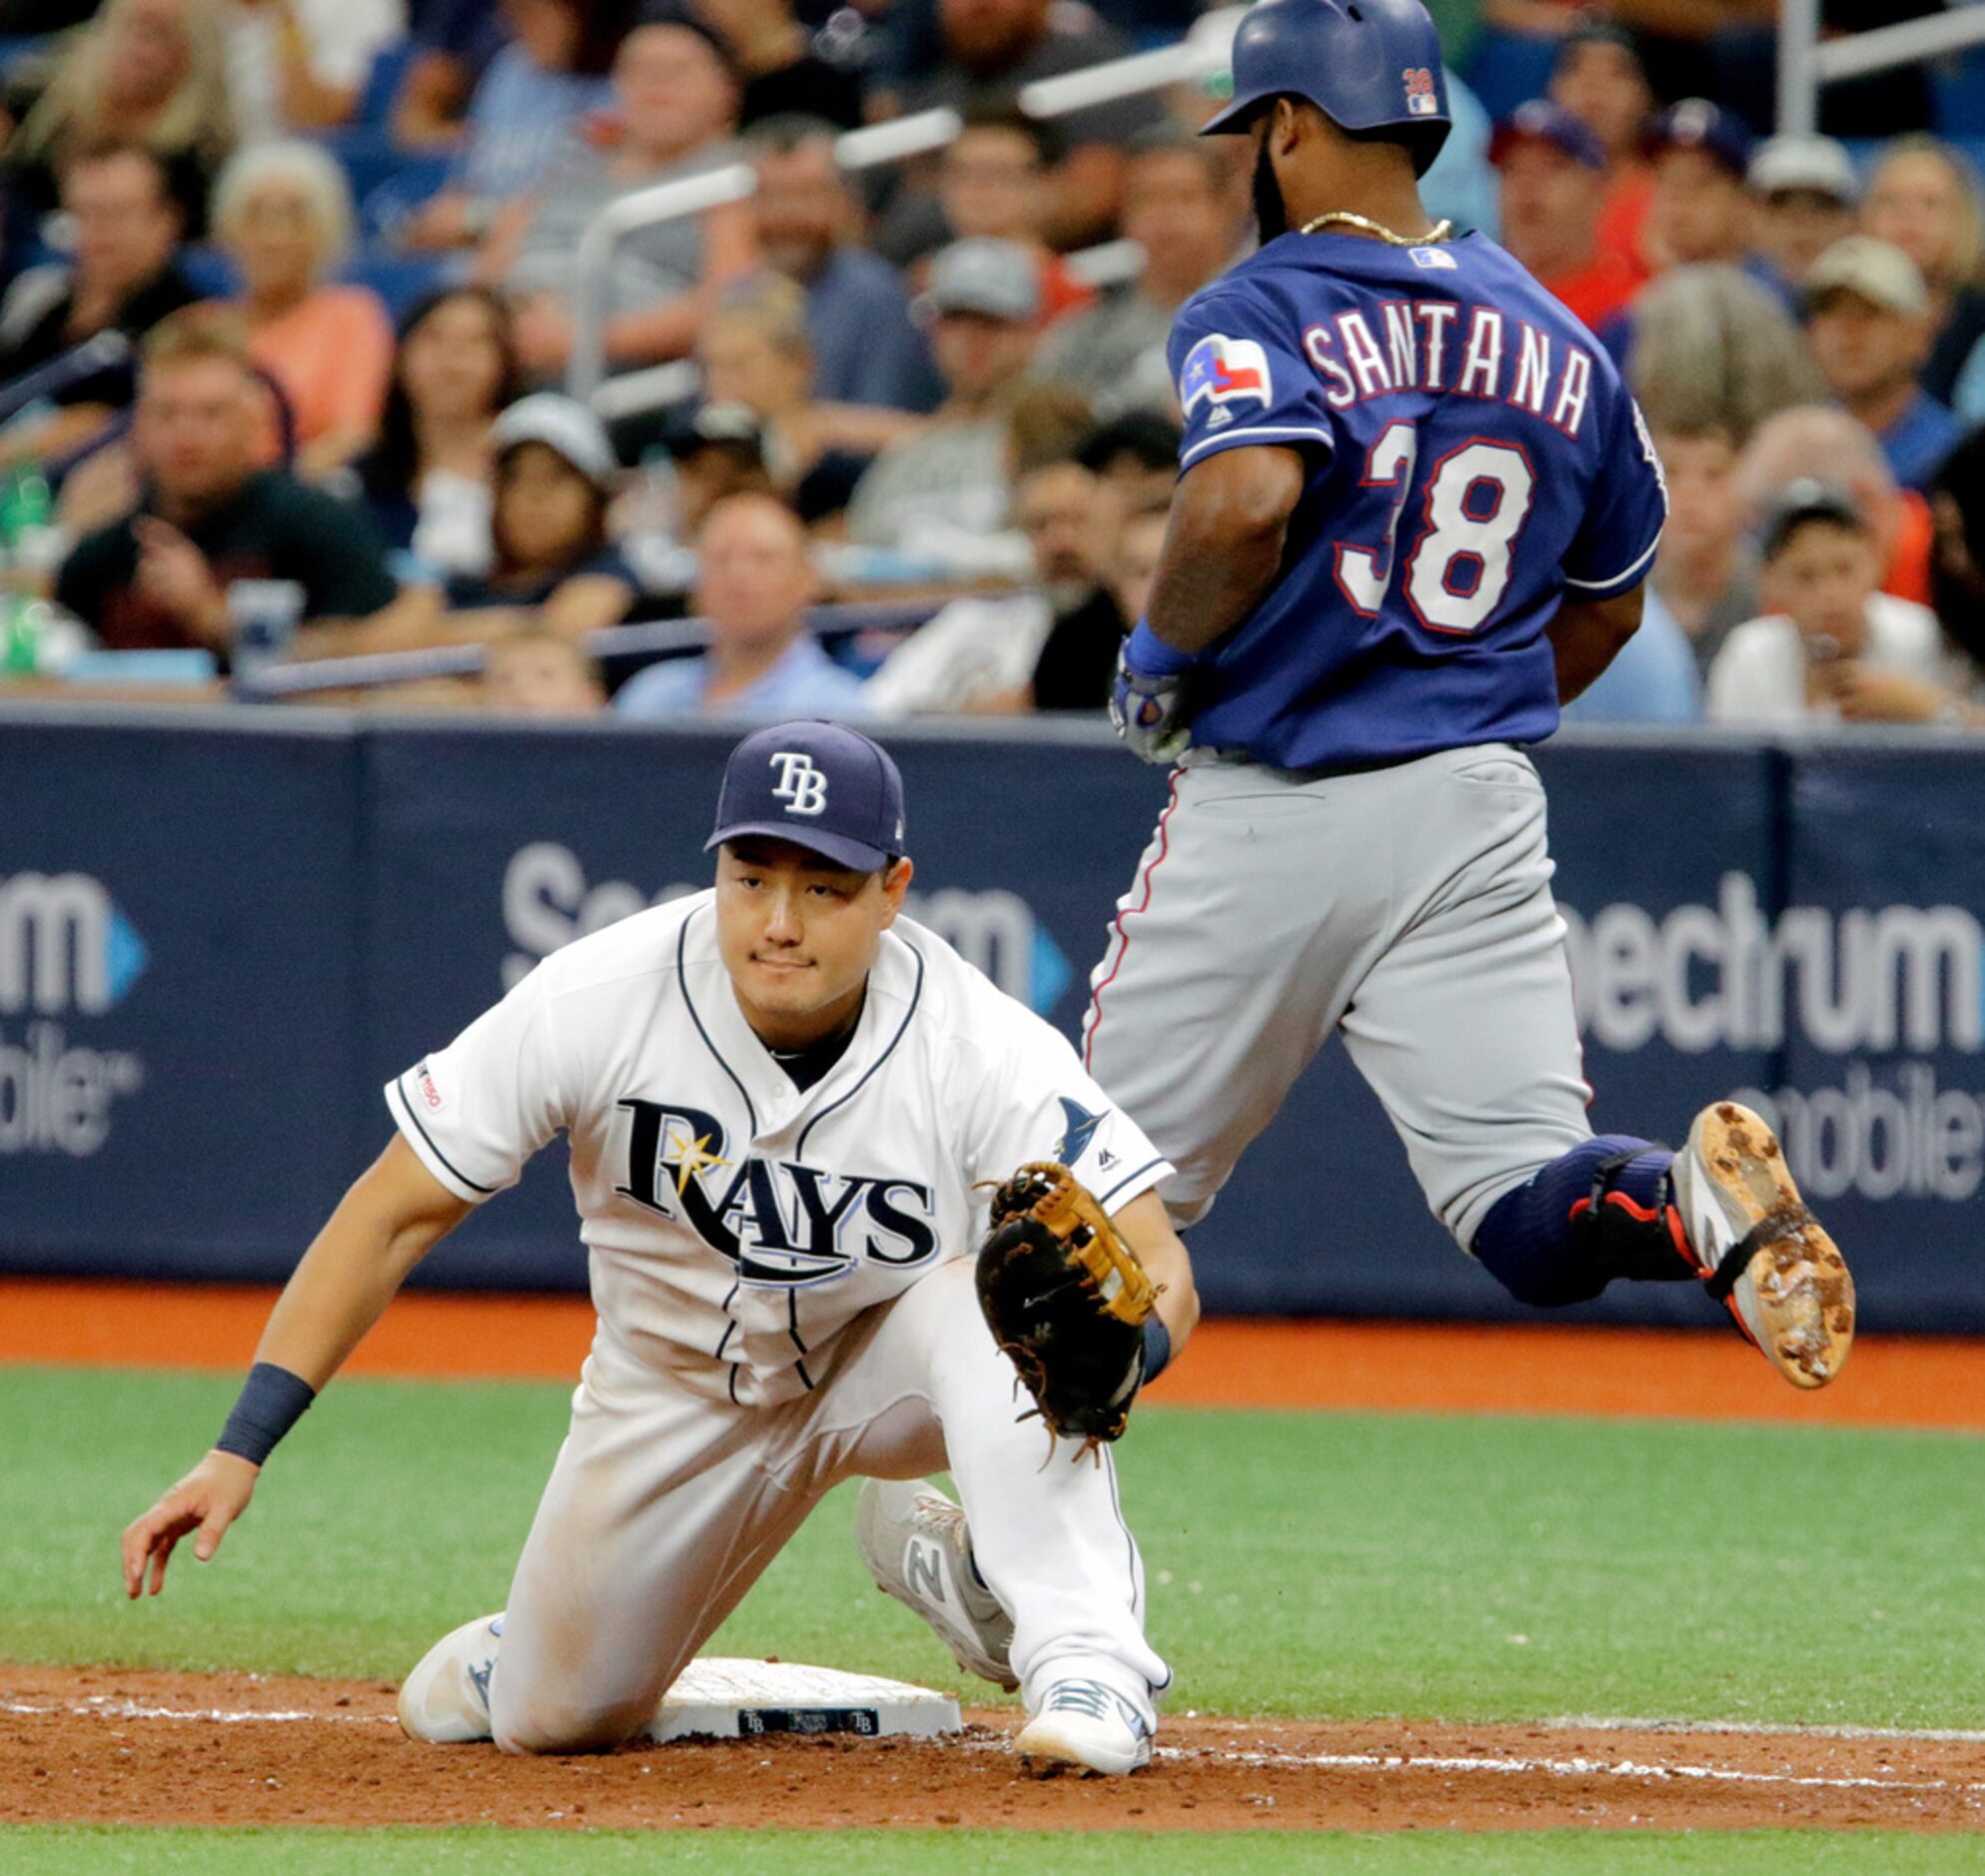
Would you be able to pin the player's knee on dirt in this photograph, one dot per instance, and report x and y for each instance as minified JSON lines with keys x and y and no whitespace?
{"x":538,"y":1724}
{"x":1601,"y":1211}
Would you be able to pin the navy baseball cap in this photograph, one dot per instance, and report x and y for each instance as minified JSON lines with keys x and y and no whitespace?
{"x":1541,"y":121}
{"x":824,"y":786}
{"x":1696,"y":123}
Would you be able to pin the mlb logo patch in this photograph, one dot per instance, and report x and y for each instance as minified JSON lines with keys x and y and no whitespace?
{"x":1434,"y":259}
{"x":1421,"y":100}
{"x":1218,"y":370}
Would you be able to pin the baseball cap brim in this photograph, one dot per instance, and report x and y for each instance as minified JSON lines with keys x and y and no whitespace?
{"x":839,"y":849}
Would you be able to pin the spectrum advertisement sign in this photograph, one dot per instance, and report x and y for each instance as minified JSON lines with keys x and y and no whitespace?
{"x":215,"y":946}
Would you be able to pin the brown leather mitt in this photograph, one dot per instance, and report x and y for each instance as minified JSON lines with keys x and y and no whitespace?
{"x":1066,"y":1300}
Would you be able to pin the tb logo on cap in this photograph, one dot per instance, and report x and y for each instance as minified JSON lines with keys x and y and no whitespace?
{"x":801,"y":786}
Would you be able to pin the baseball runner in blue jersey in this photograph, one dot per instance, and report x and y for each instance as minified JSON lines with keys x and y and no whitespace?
{"x":1415,"y":509}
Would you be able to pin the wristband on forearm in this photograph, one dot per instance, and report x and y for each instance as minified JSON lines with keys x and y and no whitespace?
{"x":1152,"y":656}
{"x":1157,"y":1348}
{"x":271,"y":1400}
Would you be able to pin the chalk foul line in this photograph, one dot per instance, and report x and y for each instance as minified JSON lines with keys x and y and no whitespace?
{"x":99,"y":1706}
{"x":1564,"y":1768}
{"x":102,"y":1706}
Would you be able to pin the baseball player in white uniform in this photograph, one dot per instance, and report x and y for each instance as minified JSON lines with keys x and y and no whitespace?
{"x":780,"y":1097}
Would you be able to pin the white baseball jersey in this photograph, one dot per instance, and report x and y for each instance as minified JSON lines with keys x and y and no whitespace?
{"x":736,"y":1223}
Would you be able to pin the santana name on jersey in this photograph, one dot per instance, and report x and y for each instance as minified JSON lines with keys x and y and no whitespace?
{"x":1438,"y":345}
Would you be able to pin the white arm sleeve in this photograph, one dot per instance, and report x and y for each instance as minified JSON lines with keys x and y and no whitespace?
{"x":1038,"y":1103}
{"x":476,"y":1111}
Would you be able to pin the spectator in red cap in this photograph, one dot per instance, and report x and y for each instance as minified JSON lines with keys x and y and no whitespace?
{"x":1700,"y":209}
{"x":1553,"y":185}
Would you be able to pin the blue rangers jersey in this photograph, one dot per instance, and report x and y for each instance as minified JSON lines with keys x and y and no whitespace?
{"x":1471,"y":456}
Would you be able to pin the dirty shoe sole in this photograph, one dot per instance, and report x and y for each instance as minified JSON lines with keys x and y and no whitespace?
{"x":1052,"y":1743}
{"x":1782,"y":1278}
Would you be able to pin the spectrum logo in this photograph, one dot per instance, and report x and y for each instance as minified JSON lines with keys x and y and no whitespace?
{"x":1883,"y":996}
{"x":548,"y":901}
{"x":64,"y":951}
{"x":63,"y":946}
{"x":1870,"y":979}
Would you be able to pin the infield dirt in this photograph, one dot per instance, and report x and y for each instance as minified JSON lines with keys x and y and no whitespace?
{"x":116,"y":1745}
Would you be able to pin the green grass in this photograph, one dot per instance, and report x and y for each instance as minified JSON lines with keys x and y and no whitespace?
{"x":50,"y":1850}
{"x":1299,"y":1563}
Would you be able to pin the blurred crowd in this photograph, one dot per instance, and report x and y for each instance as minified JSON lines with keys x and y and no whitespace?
{"x":293,"y":294}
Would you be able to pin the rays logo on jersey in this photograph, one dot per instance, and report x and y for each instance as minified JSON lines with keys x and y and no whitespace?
{"x":784,"y":1224}
{"x":1079,"y":1132}
{"x":1220,"y":370}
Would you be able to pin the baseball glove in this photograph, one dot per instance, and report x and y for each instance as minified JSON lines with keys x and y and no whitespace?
{"x":1066,"y":1300}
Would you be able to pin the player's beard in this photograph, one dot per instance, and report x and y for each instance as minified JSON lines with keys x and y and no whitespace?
{"x":1271,"y":217}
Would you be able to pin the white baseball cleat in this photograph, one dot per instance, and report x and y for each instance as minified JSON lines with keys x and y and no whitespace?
{"x":916,"y":1547}
{"x":1765,"y":1257}
{"x":445,"y":1700}
{"x":1085,"y":1724}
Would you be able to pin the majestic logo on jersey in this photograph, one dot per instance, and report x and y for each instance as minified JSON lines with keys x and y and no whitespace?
{"x":801,"y":786}
{"x":784,"y":1224}
{"x":1081,"y":1129}
{"x":1220,"y":370}
{"x":1421,"y":100}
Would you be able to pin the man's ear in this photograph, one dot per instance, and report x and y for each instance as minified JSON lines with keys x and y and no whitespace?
{"x":1286,"y":127}
{"x":896,"y":882}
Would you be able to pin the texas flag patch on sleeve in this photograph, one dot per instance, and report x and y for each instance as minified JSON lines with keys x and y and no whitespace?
{"x":1220,"y":370}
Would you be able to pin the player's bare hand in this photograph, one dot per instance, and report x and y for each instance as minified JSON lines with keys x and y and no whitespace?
{"x":207,"y":1500}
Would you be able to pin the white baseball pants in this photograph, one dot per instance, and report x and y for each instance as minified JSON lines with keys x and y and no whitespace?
{"x":663,"y":1508}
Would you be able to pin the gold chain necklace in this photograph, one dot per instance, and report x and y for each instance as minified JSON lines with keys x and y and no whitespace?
{"x":1440,"y":230}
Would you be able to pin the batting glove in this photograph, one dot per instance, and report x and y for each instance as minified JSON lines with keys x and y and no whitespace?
{"x":1147,"y":699}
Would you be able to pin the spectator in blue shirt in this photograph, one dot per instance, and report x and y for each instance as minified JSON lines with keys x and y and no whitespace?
{"x":454,"y":43}
{"x":1653,"y":680}
{"x":754,"y":582}
{"x":866,"y":348}
{"x":527,"y":115}
{"x":1869,"y":327}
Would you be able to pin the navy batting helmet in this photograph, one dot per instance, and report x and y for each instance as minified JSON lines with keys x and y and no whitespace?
{"x":1368,"y":65}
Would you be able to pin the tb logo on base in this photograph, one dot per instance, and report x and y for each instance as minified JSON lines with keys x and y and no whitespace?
{"x":784,"y":1224}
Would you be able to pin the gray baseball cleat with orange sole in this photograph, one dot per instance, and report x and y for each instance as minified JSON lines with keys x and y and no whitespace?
{"x":1763,"y":1255}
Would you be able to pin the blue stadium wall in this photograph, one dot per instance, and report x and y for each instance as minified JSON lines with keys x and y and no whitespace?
{"x":220,"y":933}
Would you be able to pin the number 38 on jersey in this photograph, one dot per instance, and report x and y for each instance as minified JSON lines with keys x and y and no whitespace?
{"x":1460,"y":550}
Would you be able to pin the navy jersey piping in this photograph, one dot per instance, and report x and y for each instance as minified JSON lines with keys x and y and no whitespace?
{"x":695,"y":1016}
{"x":1128,"y":1177}
{"x":841,"y":1101}
{"x":730,"y":1327}
{"x":487,"y":1191}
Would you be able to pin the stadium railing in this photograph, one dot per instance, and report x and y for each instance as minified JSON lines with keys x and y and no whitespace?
{"x":1806,"y":64}
{"x":1202,"y":53}
{"x":620,"y":650}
